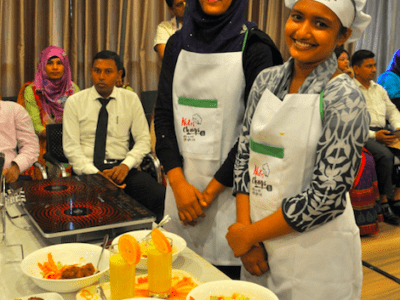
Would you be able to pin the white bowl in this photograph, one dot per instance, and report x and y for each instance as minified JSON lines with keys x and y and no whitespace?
{"x":66,"y":254}
{"x":178,"y":244}
{"x":228,"y":287}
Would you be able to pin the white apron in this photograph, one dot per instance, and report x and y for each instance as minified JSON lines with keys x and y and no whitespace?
{"x":208,"y":91}
{"x":324,"y":263}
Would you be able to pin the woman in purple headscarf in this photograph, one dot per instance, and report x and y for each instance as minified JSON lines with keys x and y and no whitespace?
{"x":44,"y":98}
{"x":390,"y":79}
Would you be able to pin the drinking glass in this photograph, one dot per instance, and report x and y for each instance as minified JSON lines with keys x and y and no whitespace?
{"x":122,"y":276}
{"x":159,"y":270}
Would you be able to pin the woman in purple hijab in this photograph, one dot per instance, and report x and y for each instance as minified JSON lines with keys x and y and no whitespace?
{"x":44,"y":98}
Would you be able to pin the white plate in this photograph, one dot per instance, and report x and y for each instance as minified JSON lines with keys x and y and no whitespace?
{"x":228,"y":287}
{"x":91,"y":291}
{"x":178,"y":244}
{"x":67,"y":254}
{"x":45,"y":296}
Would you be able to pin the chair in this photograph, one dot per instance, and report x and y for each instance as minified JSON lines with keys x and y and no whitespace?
{"x":148,"y":99}
{"x":150,"y":164}
{"x":54,"y":147}
{"x":55,"y":154}
{"x":396,"y":101}
{"x":11,"y":98}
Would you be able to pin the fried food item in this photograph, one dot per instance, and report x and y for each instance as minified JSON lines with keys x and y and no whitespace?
{"x":87,"y":270}
{"x":72,"y":272}
{"x":35,"y":298}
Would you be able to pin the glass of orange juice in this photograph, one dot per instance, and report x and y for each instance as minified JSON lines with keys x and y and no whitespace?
{"x":159,"y":270}
{"x":122,"y":276}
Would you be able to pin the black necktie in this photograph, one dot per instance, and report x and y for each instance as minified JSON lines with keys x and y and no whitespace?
{"x":101,"y":134}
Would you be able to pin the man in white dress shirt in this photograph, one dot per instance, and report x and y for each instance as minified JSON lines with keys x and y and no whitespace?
{"x":167,"y":28}
{"x":381,"y":110}
{"x":122,"y":112}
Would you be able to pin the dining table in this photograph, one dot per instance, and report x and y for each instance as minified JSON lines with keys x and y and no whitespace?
{"x":21,"y":234}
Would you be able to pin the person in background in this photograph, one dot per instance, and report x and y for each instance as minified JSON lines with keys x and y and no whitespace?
{"x":121,"y":84}
{"x":349,"y":72}
{"x":45,"y":97}
{"x":365,"y":199}
{"x":18,"y":140}
{"x":381,"y":110}
{"x":299,"y":151}
{"x":98,"y":122}
{"x":364,"y":194}
{"x":207,"y":72}
{"x":343,"y":59}
{"x":390,"y":79}
{"x":167,"y":28}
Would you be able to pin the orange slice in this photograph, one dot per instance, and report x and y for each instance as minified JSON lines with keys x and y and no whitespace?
{"x":160,"y":241}
{"x":129,"y":249}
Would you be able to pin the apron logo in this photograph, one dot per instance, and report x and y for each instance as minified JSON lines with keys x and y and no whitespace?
{"x":187,"y":122}
{"x":196,"y":119}
{"x":189,"y":128}
{"x":261,"y":173}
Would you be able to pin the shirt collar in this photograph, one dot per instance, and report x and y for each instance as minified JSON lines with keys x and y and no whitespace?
{"x":95,"y":95}
{"x":372,"y":84}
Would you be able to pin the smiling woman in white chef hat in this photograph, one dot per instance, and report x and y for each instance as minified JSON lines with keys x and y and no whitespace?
{"x":300,"y":149}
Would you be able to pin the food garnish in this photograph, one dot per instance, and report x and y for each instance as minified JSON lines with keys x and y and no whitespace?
{"x":180,"y":287}
{"x":144,"y":247}
{"x":160,"y":241}
{"x":129,"y":249}
{"x":51,"y":270}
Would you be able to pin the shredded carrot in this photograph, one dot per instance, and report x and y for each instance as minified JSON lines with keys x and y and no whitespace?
{"x":50,"y":270}
{"x":86,"y":294}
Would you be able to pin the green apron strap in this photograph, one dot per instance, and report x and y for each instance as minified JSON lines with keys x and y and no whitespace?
{"x":245,"y":40}
{"x":205,"y":103}
{"x":321,"y":105}
{"x":267,"y":150}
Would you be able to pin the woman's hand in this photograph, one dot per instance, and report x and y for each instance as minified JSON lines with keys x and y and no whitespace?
{"x":239,"y":239}
{"x":213,"y":189}
{"x":255,"y":261}
{"x":187,"y":197}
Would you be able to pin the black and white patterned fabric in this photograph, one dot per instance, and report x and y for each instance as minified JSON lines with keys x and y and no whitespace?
{"x":345,"y":130}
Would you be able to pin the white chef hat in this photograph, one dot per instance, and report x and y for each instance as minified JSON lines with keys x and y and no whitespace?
{"x":349,"y":13}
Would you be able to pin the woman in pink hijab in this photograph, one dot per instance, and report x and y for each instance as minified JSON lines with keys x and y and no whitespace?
{"x":45,"y":97}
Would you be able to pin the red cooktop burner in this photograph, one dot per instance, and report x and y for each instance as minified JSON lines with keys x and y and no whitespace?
{"x":78,"y":202}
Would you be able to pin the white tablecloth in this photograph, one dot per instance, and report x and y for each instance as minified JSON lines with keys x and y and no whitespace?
{"x":14,"y":284}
